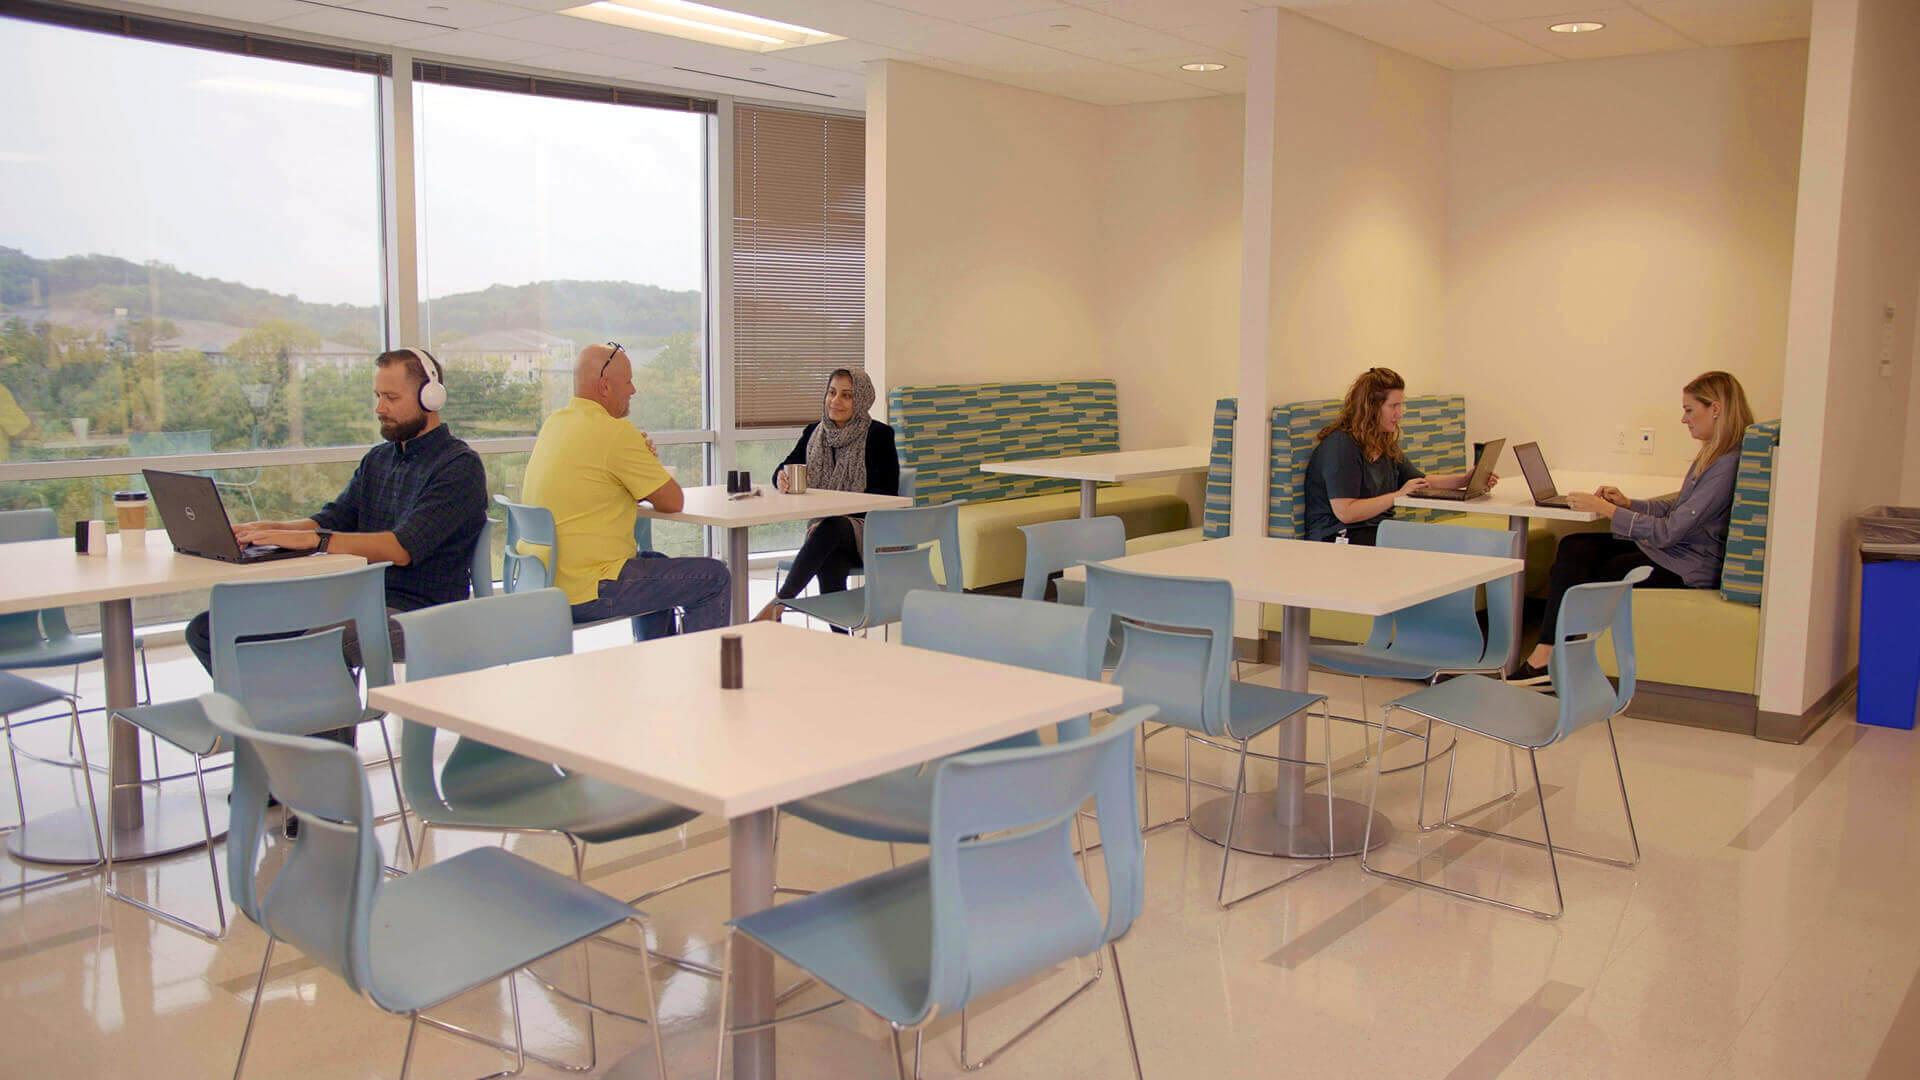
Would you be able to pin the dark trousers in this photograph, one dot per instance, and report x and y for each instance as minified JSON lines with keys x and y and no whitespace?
{"x":1584,"y":558}
{"x":200,"y":642}
{"x":829,"y":554}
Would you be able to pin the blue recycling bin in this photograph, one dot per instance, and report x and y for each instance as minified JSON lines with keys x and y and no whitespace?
{"x":1889,"y":538}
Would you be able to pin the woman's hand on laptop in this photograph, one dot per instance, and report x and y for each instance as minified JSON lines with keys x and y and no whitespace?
{"x":1612,"y":494}
{"x":1415,"y":486}
{"x":1590,"y":503}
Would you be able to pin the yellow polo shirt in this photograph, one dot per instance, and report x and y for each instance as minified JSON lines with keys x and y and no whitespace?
{"x":589,"y":468}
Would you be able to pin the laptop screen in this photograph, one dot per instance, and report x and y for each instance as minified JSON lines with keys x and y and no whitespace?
{"x":1483,"y":468}
{"x":1534,"y":465}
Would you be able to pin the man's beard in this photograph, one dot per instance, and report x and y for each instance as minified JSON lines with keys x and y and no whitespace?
{"x":402,"y":430}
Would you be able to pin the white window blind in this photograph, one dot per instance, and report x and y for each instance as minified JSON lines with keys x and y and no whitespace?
{"x":799,"y":260}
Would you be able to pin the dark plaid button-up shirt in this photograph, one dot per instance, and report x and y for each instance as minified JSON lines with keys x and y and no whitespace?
{"x":431,"y":494}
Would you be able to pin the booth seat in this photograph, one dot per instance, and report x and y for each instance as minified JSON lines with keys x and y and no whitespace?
{"x":945,"y":432}
{"x":1699,"y":649}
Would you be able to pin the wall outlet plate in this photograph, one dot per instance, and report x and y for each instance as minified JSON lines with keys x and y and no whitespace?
{"x":1620,"y":440}
{"x":1646,"y":440}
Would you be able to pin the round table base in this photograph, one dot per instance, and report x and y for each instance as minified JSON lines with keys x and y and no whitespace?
{"x":1257,"y":833}
{"x":172,"y":824}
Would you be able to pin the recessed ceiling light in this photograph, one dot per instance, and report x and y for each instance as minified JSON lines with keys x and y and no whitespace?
{"x":1205,"y":65}
{"x":1061,"y":26}
{"x":702,"y":23}
{"x":1577,"y":27}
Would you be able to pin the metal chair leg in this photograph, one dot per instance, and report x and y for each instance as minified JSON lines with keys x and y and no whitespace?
{"x":19,"y":801}
{"x":399,"y":800}
{"x":406,"y":1056}
{"x":1126,"y":1014}
{"x":726,"y":1008}
{"x":253,"y":1013}
{"x":1220,"y":897}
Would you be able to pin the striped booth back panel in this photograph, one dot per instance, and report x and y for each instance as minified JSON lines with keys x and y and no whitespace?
{"x":1745,"y":568}
{"x":1433,"y":434}
{"x":1217,"y":516}
{"x":945,"y":432}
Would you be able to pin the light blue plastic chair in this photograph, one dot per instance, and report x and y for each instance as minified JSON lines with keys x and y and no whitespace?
{"x":1176,"y":647}
{"x":293,"y":685}
{"x":42,"y":639}
{"x":1053,"y":546}
{"x":16,"y":694}
{"x":533,"y":525}
{"x":1530,"y":721}
{"x":909,"y":478}
{"x":407,"y":944}
{"x":480,"y":568}
{"x":1439,"y":637}
{"x":998,"y":900}
{"x":898,"y":557}
{"x":897,"y":807}
{"x":482,"y":787}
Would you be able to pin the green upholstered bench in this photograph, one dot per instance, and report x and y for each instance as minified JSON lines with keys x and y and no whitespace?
{"x":1699,"y":649}
{"x":945,"y":432}
{"x":1216,"y":512}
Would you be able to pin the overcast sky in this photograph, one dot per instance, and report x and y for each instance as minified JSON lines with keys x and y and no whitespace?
{"x":267,"y":173}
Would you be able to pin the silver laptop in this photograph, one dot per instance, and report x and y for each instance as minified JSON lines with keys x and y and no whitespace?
{"x":1477,"y":482}
{"x":1534,"y":465}
{"x":196,"y":520}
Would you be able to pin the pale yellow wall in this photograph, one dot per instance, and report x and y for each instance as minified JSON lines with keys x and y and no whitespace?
{"x":1359,"y":150}
{"x":1845,"y":424}
{"x":986,"y":236}
{"x":1168,"y":253}
{"x":1617,"y":227}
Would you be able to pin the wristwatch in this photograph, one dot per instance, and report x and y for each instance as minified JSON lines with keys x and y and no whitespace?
{"x":326,"y":539}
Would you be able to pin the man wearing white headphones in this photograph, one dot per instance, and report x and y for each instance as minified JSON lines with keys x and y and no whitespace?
{"x":417,"y":501}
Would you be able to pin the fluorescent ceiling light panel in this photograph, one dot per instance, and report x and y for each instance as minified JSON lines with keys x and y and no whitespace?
{"x":1577,"y":27}
{"x":702,"y":23}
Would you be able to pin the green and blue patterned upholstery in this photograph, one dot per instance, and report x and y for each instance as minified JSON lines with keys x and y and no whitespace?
{"x":1744,"y":570}
{"x":1433,"y":433}
{"x":947,"y":431}
{"x":1217,"y":514}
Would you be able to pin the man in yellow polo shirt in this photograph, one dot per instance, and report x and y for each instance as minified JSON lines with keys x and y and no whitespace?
{"x":590,"y":467}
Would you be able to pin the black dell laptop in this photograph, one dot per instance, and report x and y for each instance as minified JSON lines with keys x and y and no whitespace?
{"x":196,"y":520}
{"x":1476,"y":483}
{"x":1534,"y":464}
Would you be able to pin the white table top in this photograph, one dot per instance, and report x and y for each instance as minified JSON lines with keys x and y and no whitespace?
{"x":1513,"y":499}
{"x":709,"y":505}
{"x":1335,"y":577}
{"x":47,"y":573}
{"x":818,"y":711}
{"x":1110,"y":468}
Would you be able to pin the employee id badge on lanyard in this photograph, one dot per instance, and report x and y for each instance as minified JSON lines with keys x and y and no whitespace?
{"x":1341,"y":537}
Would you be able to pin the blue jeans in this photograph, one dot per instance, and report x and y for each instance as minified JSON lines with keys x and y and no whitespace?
{"x":651,"y":585}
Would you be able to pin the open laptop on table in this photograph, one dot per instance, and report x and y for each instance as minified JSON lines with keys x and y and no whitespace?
{"x":1534,"y":464}
{"x":1477,"y":482}
{"x":196,"y":520}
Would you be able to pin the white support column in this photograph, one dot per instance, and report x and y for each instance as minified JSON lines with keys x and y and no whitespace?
{"x":1250,"y":438}
{"x":401,"y":219}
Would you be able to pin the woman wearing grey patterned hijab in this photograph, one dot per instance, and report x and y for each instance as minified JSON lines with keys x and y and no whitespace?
{"x":845,"y":450}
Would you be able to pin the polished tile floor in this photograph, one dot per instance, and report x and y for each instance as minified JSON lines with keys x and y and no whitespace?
{"x":1772,"y":929}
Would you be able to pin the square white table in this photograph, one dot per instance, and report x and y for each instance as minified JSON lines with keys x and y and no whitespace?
{"x":1095,"y":469}
{"x":1515,"y":500}
{"x":47,"y":573}
{"x":652,"y":717}
{"x":710,"y":505}
{"x":1300,"y":575}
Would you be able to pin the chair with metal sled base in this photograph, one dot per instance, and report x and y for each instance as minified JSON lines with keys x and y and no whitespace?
{"x":999,"y":898}
{"x":16,"y":694}
{"x":1436,"y":638}
{"x":484,"y":788}
{"x":410,"y":943}
{"x":1530,"y":721}
{"x":1176,"y":647}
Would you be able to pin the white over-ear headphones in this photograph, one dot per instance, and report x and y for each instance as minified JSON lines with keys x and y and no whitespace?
{"x":433,"y":392}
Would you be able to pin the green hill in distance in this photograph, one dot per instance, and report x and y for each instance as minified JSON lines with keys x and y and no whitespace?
{"x":581,"y":310}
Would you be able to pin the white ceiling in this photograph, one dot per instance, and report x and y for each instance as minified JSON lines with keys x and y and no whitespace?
{"x":1106,"y":52}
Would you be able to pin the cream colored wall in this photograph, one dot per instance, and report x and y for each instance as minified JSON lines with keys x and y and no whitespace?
{"x":1617,"y":227}
{"x":984,"y":246}
{"x":1845,"y":424}
{"x":1168,"y":252}
{"x":1359,"y":235}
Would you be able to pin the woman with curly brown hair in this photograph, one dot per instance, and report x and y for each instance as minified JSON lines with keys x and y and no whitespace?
{"x":1359,"y":469}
